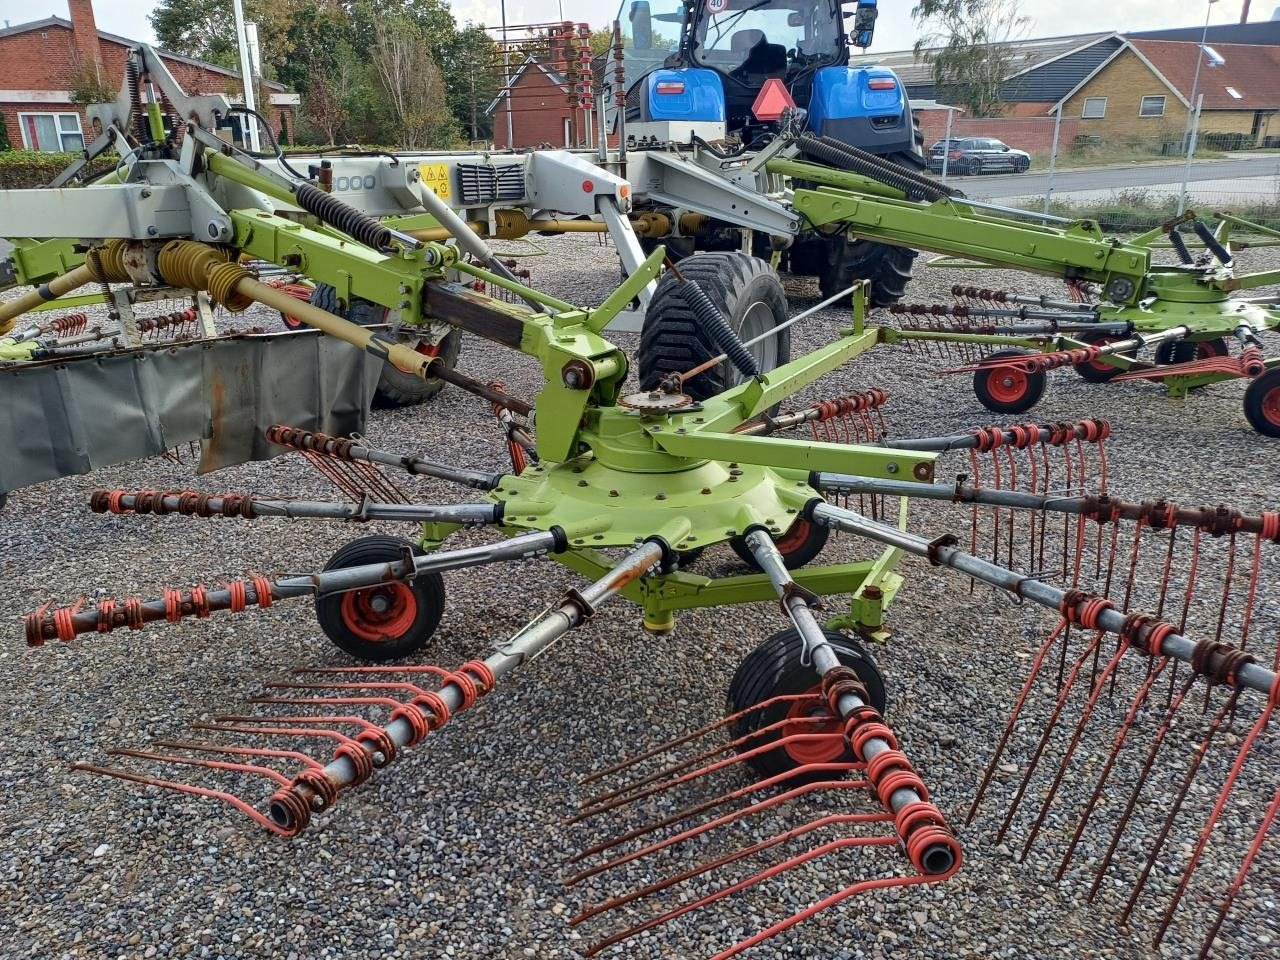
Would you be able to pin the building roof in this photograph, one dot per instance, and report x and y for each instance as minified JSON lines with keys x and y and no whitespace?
{"x":1234,"y":76}
{"x":1028,"y":55}
{"x":1264,"y":31}
{"x":48,"y":22}
{"x":530,"y":61}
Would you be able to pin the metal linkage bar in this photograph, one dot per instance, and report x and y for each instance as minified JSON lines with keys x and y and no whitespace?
{"x":1057,"y":320}
{"x":1224,"y":663}
{"x":1003,"y":296}
{"x":1037,"y":362}
{"x":65,"y":623}
{"x":192,"y":503}
{"x":847,"y":406}
{"x":290,"y":808}
{"x":930,"y":844}
{"x":344,"y":448}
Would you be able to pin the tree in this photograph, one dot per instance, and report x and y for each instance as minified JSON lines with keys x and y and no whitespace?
{"x":972,"y":50}
{"x":411,"y":83}
{"x":206,"y":29}
{"x":473,"y":71}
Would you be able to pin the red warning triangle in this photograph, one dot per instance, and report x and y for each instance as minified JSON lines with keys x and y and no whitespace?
{"x":772,"y":99}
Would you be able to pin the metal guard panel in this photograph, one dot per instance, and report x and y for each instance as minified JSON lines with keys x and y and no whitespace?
{"x":129,"y":404}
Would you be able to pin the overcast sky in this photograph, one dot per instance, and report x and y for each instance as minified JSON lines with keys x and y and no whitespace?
{"x":894,"y":32}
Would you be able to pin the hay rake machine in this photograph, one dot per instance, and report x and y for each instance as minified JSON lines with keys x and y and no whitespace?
{"x":804,"y":779}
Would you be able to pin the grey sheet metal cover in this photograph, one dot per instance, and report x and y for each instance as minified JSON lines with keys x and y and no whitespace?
{"x":61,"y":417}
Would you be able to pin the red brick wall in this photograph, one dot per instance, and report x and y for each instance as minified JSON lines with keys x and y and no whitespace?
{"x":539,"y":108}
{"x":1033,"y":134}
{"x":46,"y":60}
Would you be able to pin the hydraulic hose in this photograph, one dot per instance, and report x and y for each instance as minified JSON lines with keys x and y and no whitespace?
{"x":845,"y":157}
{"x":711,"y":320}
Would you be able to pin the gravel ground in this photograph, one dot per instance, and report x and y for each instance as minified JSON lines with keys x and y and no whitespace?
{"x":458,"y":849}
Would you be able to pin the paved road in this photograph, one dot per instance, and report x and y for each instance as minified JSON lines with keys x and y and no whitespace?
{"x":1035,"y":183}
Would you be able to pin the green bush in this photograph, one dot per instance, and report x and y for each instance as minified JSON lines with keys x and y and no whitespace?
{"x":21,"y":169}
{"x":1226,"y":141}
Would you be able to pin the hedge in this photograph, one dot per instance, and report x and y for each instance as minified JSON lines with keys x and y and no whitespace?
{"x":34,"y":168}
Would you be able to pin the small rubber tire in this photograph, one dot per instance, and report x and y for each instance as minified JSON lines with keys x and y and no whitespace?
{"x":672,"y":340}
{"x":293,"y":323}
{"x":1185,"y":351}
{"x":1006,"y":390}
{"x":396,"y":388}
{"x":1021,"y":165}
{"x":774,"y":669}
{"x":800,"y":544}
{"x":1262,"y":403}
{"x":1095,"y":371}
{"x":357,"y":627}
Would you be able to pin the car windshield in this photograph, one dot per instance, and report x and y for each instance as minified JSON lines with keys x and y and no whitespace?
{"x":730,"y":32}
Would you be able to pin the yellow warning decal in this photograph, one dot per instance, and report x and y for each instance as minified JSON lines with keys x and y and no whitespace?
{"x":436,"y":176}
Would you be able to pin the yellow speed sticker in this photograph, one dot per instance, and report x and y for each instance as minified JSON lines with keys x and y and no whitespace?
{"x":436,"y":176}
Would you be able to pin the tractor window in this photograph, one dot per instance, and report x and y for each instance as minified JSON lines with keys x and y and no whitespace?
{"x":650,"y":33}
{"x":729,"y":33}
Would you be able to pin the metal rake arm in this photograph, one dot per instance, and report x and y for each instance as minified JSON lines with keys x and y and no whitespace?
{"x":194,"y":504}
{"x":1147,"y":633}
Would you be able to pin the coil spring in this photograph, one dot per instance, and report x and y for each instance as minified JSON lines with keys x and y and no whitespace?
{"x":845,"y":157}
{"x":141,"y":128}
{"x":721,"y":333}
{"x":345,"y":218}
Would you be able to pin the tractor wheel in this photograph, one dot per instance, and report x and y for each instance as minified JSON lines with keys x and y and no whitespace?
{"x":1095,"y":371}
{"x":748,"y":295}
{"x":1008,"y":390}
{"x":1184,"y":351}
{"x":801,"y":544}
{"x":775,"y":669}
{"x":386,"y":622}
{"x":843,"y":260}
{"x":1262,"y":403}
{"x":395,"y":387}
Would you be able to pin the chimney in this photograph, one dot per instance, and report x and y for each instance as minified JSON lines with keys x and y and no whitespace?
{"x":84,"y":36}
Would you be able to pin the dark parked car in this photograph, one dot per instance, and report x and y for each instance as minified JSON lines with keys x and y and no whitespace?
{"x":969,"y":156}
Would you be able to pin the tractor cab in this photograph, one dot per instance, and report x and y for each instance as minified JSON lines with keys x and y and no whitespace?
{"x":697,"y":67}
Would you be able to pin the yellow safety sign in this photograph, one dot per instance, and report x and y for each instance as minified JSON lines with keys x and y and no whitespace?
{"x":436,"y":176}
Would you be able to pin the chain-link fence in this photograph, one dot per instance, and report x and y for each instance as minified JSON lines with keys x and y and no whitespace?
{"x":1128,"y":172}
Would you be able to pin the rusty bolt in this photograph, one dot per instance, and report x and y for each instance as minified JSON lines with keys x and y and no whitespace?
{"x":872,"y":592}
{"x":613,"y":493}
{"x":660,"y":496}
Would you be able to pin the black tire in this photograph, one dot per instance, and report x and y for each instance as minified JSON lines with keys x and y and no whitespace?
{"x":1021,"y":165}
{"x":672,"y":340}
{"x":293,"y":323}
{"x":974,"y":168}
{"x":774,"y":669}
{"x":395,"y":387}
{"x":1185,"y":351}
{"x":1097,"y":372}
{"x":355,"y":624}
{"x":841,"y":260}
{"x":1262,"y":403}
{"x":799,"y":545}
{"x":1009,"y":391}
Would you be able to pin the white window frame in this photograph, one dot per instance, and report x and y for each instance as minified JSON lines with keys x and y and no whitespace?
{"x":1084,"y":109}
{"x":57,"y":116}
{"x":1142,"y":107}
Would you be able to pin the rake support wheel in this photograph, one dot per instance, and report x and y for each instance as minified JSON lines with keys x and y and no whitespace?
{"x":385,"y":622}
{"x":1262,"y":403}
{"x":1096,"y":371}
{"x":748,"y":295}
{"x":801,"y":544}
{"x":1008,"y":389}
{"x":775,"y":669}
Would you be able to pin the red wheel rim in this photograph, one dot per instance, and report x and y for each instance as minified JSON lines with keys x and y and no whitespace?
{"x":795,"y":538}
{"x":428,"y":349}
{"x":377,"y":614}
{"x":293,"y":323}
{"x":1008,"y":384}
{"x":1097,"y":365}
{"x":1271,"y":406}
{"x":1207,"y":349}
{"x":807,"y":748}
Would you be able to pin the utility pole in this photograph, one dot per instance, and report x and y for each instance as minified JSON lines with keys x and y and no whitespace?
{"x":1195,"y":81}
{"x":506,"y":76}
{"x":246,"y":75}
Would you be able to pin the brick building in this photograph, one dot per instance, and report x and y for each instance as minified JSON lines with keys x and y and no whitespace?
{"x":46,"y":62}
{"x":539,"y":100}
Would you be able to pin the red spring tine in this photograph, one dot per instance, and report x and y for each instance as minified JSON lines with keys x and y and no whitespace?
{"x":267,"y":772}
{"x":1254,"y":848}
{"x":705,"y":805}
{"x":1045,"y":647}
{"x":259,"y":818}
{"x":205,"y":747}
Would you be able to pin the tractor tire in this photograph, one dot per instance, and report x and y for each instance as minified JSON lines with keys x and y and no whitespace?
{"x":801,"y":544}
{"x":775,"y":669}
{"x":386,"y":622}
{"x":748,"y":295}
{"x":1009,"y":391}
{"x":1262,"y":403}
{"x":844,"y":261}
{"x":396,"y":388}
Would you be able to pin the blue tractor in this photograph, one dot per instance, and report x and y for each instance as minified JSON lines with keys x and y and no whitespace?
{"x":714,"y":72}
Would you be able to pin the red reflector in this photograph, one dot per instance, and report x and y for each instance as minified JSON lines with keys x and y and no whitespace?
{"x":670,"y":86}
{"x":587,"y":186}
{"x":772,"y":100}
{"x":882,"y":83}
